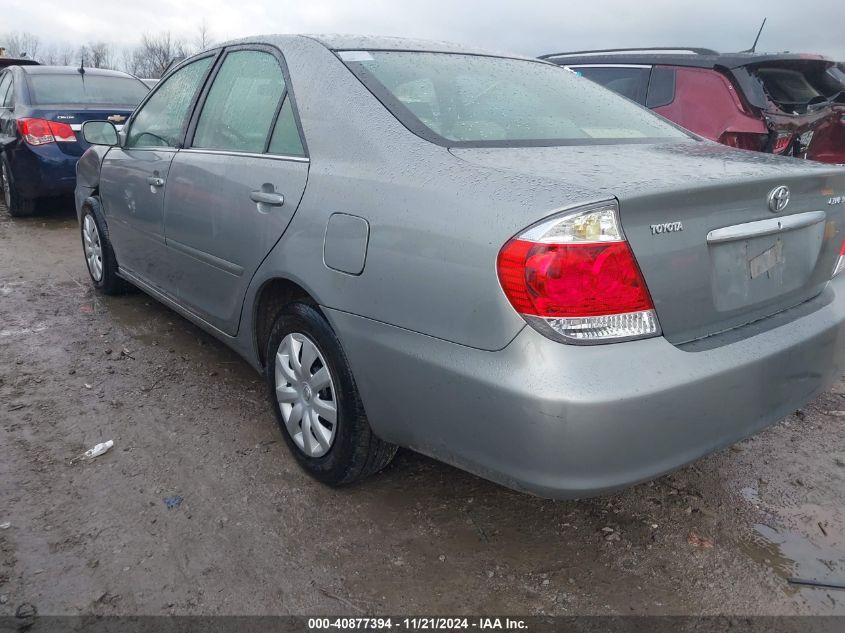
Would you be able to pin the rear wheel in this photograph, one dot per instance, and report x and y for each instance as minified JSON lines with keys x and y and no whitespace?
{"x":16,"y":205}
{"x":316,"y":401}
{"x":99,"y":256}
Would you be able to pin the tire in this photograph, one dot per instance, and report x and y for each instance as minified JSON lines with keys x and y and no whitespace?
{"x":97,"y":250}
{"x":353,"y":452}
{"x":16,"y":205}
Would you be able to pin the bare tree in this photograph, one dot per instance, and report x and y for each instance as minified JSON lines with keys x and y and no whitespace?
{"x":204,"y":39}
{"x":97,"y":55}
{"x":21,"y":44}
{"x":154,"y":55}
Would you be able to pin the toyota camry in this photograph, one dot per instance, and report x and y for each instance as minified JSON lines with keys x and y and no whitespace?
{"x":484,"y":258}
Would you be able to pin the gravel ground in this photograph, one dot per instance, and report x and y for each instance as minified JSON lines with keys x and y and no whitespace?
{"x":254,"y":535}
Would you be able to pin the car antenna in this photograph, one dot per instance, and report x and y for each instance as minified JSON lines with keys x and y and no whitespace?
{"x":753,"y":48}
{"x":81,"y":68}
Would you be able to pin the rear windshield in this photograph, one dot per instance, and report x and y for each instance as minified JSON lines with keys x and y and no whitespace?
{"x":471,"y":100}
{"x":798,"y":86}
{"x":86,"y":89}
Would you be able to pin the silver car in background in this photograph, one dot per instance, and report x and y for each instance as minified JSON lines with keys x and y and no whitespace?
{"x":483,"y":258}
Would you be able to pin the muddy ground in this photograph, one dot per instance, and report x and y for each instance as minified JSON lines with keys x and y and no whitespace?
{"x":254,"y":535}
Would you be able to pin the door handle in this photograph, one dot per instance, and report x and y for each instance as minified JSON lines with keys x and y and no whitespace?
{"x":155,"y":182}
{"x":267,"y":197}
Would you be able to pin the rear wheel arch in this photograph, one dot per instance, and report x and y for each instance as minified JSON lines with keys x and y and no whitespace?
{"x":274,"y":295}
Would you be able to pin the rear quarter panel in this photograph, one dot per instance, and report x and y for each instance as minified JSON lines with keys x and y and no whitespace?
{"x":436,"y":222}
{"x":707,"y":103}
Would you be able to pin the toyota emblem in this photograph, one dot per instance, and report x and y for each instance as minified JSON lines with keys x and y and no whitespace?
{"x":778,"y":199}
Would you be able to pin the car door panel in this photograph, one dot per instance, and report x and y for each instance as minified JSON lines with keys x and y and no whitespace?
{"x":217,"y":234}
{"x":134,"y":208}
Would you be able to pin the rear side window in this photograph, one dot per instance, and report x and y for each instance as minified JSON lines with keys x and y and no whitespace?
{"x":661,"y":87}
{"x":629,"y":81}
{"x":286,"y":139}
{"x":243,"y":100}
{"x":78,"y":88}
{"x":161,"y":121}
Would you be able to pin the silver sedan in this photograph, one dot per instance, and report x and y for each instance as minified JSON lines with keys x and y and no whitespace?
{"x":484,"y":258}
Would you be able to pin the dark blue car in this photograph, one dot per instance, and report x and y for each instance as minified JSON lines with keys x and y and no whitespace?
{"x":42,"y":109}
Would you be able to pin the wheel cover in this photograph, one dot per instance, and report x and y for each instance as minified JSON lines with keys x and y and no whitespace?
{"x":7,"y":187}
{"x":93,"y":247}
{"x":306,"y":394}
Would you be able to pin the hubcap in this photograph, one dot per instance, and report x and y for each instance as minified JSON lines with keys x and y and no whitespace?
{"x":306,"y":395}
{"x":93,"y":248}
{"x":7,"y":188}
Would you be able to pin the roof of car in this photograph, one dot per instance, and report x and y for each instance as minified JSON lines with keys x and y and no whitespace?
{"x":675,"y":56}
{"x":339,"y":42}
{"x":71,"y":70}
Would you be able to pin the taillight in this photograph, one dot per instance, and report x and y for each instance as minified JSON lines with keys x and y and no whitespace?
{"x":744,"y":140}
{"x":840,"y":263}
{"x":41,"y":132}
{"x":574,"y":278}
{"x":62,"y":132}
{"x":782,"y":142}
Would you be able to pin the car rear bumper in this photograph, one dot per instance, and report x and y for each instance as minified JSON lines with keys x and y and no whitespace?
{"x":43,"y":170}
{"x":570,"y":421}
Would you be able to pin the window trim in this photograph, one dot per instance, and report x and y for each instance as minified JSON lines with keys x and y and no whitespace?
{"x":287,"y":93}
{"x":180,"y":144}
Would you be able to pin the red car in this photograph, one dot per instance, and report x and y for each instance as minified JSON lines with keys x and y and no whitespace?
{"x":781,"y":103}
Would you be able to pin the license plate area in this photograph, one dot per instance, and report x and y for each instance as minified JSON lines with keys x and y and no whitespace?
{"x":756,"y":270}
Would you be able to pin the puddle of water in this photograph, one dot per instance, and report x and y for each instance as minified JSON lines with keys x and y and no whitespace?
{"x":791,"y":554}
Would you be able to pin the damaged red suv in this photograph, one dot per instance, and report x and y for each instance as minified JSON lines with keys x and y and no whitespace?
{"x":782,"y":103}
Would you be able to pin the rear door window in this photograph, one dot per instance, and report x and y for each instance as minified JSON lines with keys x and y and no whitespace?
{"x":244,"y":98}
{"x":629,"y":81}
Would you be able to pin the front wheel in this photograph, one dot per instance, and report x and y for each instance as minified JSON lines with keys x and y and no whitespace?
{"x":316,"y":401}
{"x":99,"y":256}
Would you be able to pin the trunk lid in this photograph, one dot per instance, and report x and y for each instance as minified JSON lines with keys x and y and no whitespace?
{"x":713,"y":254}
{"x":75,"y":116}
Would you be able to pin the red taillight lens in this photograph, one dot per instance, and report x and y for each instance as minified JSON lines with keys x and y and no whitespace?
{"x":62,"y":132}
{"x":782,"y":142}
{"x":744,"y":140}
{"x":35,"y":131}
{"x":41,"y":132}
{"x":574,"y":278}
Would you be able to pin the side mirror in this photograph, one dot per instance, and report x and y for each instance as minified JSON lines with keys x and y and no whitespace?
{"x":99,"y":133}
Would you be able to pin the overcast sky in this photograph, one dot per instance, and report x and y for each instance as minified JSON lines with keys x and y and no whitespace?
{"x":532,"y":27}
